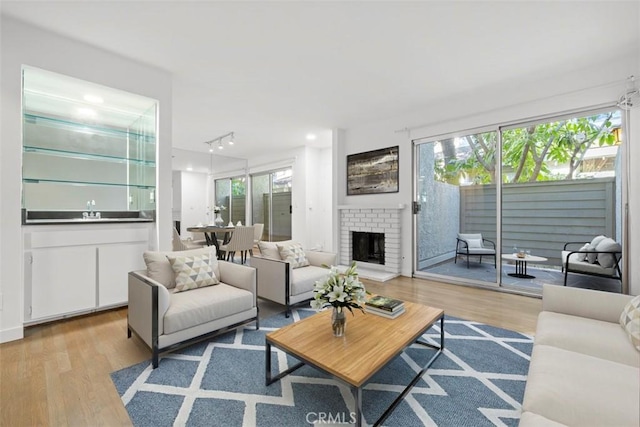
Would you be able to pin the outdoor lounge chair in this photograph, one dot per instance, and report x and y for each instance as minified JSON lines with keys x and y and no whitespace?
{"x":474,"y":245}
{"x":599,"y":258}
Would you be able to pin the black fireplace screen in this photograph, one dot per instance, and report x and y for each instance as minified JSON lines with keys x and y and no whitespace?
{"x":368,"y":247}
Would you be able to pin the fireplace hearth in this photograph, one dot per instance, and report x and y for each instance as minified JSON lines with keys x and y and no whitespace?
{"x":368,"y":247}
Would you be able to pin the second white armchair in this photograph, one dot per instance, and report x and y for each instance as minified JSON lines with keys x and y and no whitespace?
{"x":289,"y":280}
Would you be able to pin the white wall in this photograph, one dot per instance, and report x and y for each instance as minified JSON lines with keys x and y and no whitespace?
{"x":593,"y":86}
{"x":194,"y":200}
{"x":22,"y":44}
{"x":319,"y":172}
{"x":311,"y":188}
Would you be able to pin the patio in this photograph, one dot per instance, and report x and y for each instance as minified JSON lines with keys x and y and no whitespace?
{"x":544,"y":274}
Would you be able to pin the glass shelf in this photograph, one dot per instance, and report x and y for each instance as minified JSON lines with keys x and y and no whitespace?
{"x":78,"y":155}
{"x":85,"y":183}
{"x":87,"y":128}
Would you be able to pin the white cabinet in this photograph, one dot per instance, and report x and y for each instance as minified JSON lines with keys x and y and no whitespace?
{"x":78,"y":269}
{"x":55,"y":293}
{"x":114,"y":263}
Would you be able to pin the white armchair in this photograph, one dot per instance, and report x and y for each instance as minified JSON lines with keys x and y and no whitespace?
{"x":164,"y":318}
{"x":279,"y":281}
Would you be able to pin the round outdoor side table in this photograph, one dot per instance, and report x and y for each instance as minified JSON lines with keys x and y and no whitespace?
{"x":521,"y":264}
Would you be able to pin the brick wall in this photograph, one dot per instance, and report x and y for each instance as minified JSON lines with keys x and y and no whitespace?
{"x":374,"y":220}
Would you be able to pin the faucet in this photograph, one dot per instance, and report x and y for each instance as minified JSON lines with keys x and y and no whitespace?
{"x":91,"y":213}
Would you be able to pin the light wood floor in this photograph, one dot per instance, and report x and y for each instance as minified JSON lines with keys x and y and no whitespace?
{"x":58,"y":375}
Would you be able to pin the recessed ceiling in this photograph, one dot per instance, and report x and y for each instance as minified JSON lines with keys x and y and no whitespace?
{"x":272,"y":72}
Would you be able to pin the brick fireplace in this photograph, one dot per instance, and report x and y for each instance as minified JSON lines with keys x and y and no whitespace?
{"x":384,"y":220}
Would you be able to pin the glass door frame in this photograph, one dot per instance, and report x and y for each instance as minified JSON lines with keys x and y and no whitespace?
{"x":270,"y":173}
{"x":416,"y":206}
{"x":499,"y":128}
{"x":230,"y":208}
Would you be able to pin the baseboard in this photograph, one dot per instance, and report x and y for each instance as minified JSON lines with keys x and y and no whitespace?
{"x":12,"y":334}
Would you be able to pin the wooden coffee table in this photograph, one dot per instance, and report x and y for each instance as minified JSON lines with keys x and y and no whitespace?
{"x":370,"y":342}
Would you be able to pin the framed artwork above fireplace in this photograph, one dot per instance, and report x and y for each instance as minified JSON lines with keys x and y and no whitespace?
{"x":373,"y":172}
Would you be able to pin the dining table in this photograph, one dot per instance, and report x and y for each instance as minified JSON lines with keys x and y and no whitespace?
{"x":211,"y":234}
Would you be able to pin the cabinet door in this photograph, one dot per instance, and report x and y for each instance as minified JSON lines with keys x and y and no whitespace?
{"x":63,"y":280}
{"x":114,"y":264}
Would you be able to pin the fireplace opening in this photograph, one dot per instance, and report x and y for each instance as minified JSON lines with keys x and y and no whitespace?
{"x":368,"y":247}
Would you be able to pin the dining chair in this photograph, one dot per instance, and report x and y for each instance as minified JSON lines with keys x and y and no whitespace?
{"x":182,"y":245}
{"x":257,"y":235}
{"x":241,"y":241}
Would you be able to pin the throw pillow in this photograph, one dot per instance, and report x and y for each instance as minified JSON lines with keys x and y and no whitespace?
{"x":269,"y":250}
{"x":474,"y":243}
{"x":159,"y":267}
{"x":192,"y":272}
{"x":607,"y":245}
{"x":597,"y":240}
{"x":630,"y":321}
{"x":592,"y":257}
{"x":293,"y":254}
{"x":582,"y":257}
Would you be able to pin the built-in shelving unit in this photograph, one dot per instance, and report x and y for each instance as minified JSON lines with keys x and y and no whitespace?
{"x":77,"y":150}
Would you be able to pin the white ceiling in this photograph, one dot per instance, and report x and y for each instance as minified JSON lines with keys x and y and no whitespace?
{"x":274,"y":71}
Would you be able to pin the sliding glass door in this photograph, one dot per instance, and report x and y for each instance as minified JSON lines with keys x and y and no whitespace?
{"x":528,"y":188}
{"x":561,"y":183}
{"x":271,"y":203}
{"x":455,"y":199}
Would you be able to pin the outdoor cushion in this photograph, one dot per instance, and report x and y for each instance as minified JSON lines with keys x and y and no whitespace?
{"x":607,"y":245}
{"x":584,"y":266}
{"x":202,"y":305}
{"x":597,"y":240}
{"x":474,"y":243}
{"x":583,"y":256}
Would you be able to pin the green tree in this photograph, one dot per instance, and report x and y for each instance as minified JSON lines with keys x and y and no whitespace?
{"x":528,"y":151}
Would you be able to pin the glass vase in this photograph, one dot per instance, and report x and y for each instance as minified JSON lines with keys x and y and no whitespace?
{"x":338,"y":321}
{"x":218,"y":220}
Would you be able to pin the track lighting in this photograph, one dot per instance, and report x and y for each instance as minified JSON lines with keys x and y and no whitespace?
{"x":219,"y":140}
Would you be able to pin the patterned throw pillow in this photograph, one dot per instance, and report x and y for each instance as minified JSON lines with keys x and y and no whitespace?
{"x":630,"y":321}
{"x":293,"y":254}
{"x":192,"y":272}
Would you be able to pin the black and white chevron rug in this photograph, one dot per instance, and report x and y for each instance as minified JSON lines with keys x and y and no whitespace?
{"x":479,"y":380}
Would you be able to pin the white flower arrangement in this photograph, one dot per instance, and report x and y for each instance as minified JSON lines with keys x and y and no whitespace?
{"x":215,"y":209}
{"x":340,"y":290}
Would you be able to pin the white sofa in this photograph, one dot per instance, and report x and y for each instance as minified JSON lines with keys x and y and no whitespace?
{"x":163,"y":318}
{"x":584,"y":370}
{"x":280,"y":282}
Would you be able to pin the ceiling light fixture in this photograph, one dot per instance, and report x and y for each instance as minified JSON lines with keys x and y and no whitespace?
{"x":219,"y":140}
{"x":311,"y":136}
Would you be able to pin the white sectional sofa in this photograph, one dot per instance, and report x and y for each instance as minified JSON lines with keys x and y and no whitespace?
{"x":584,"y":369}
